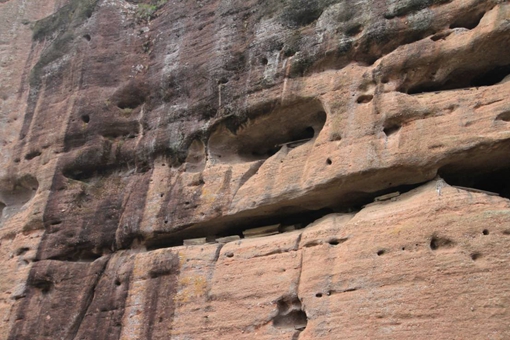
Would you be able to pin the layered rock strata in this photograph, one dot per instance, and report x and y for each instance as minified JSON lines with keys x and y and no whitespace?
{"x":258,"y":134}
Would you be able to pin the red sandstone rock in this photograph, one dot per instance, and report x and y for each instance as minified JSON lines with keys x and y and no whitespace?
{"x":127,"y":127}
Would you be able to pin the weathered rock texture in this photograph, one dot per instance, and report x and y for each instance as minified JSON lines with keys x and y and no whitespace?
{"x":127,"y":127}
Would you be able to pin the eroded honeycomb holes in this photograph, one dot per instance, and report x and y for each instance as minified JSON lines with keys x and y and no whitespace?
{"x":262,"y":136}
{"x":290,"y":314}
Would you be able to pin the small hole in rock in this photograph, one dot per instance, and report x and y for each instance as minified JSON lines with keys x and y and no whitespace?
{"x":117,"y":282}
{"x":22,"y":251}
{"x":475,"y":256}
{"x":319,"y":295}
{"x":32,"y":155}
{"x":290,"y":315}
{"x":440,"y":242}
{"x":85,"y":118}
{"x":505,"y":116}
{"x":229,"y":254}
{"x":381,"y":252}
{"x":264,"y":61}
{"x":363,"y":99}
{"x":87,"y":37}
{"x":391,"y":130}
{"x":44,"y":286}
{"x":329,"y":161}
{"x":335,"y":241}
{"x":485,"y":232}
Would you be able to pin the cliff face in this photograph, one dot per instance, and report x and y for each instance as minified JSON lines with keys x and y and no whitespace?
{"x":360,"y":149}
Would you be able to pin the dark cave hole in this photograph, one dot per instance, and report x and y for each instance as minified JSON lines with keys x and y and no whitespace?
{"x":440,"y":242}
{"x":337,"y":241}
{"x":267,"y":131}
{"x":381,"y":252}
{"x":44,"y":286}
{"x":391,"y":129}
{"x":85,"y":118}
{"x":32,"y":155}
{"x":87,"y":37}
{"x":297,"y":219}
{"x":491,"y":77}
{"x":22,"y":251}
{"x":130,"y":102}
{"x":461,"y":79}
{"x":485,"y":232}
{"x":364,"y":99}
{"x":264,"y":61}
{"x":468,"y":20}
{"x":493,"y":181}
{"x":475,"y":256}
{"x":504,"y":116}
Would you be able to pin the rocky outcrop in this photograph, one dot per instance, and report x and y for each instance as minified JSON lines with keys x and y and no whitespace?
{"x":334,"y":169}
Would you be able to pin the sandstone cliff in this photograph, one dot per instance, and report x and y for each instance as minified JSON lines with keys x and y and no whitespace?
{"x":257,"y":169}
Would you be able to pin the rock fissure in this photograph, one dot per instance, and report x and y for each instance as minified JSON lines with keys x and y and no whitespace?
{"x":75,"y":327}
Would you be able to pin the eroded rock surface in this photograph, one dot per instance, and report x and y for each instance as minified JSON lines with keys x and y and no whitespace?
{"x":128,"y":127}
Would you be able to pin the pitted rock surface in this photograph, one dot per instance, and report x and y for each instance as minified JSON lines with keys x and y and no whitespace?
{"x":336,"y":169}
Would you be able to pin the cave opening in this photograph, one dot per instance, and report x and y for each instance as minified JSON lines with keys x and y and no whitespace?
{"x":265,"y":133}
{"x":461,"y":79}
{"x":492,"y":181}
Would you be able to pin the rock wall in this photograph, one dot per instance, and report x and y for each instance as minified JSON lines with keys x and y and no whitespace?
{"x":217,"y":169}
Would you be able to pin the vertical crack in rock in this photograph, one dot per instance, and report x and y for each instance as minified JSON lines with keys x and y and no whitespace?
{"x":290,"y":314}
{"x":73,"y":331}
{"x":217,"y":252}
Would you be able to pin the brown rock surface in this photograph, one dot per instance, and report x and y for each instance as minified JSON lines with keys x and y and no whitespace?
{"x":128,"y":127}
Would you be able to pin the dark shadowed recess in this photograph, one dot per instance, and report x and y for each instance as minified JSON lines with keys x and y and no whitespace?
{"x":464,"y":78}
{"x":263,"y":135}
{"x":484,"y":168}
{"x":290,"y":314}
{"x":287,"y":215}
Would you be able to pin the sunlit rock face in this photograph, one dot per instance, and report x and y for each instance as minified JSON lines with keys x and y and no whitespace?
{"x":254,"y":169}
